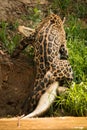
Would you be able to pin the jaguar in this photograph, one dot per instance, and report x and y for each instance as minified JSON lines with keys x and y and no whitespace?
{"x":51,"y":61}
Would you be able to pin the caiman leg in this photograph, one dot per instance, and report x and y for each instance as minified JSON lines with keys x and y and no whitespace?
{"x":26,"y":31}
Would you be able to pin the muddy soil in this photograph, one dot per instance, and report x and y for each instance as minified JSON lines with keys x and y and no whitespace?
{"x":16,"y":82}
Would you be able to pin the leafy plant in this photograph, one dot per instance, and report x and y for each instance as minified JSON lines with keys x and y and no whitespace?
{"x":76,"y":42}
{"x":35,"y":16}
{"x":13,"y":43}
{"x":3,"y":34}
{"x":74,"y":100}
{"x":9,"y":40}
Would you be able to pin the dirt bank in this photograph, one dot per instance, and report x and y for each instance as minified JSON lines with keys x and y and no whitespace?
{"x":16,"y":82}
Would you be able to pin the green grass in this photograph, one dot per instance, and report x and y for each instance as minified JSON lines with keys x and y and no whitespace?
{"x":74,"y":100}
{"x":77,"y":46}
{"x":69,"y":7}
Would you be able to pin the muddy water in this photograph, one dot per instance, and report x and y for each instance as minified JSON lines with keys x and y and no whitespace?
{"x":58,"y":123}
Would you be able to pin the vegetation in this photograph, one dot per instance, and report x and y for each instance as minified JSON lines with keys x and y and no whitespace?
{"x":8,"y":35}
{"x":77,"y":46}
{"x":74,"y":101}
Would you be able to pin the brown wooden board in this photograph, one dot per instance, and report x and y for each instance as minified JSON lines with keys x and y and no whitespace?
{"x":58,"y":123}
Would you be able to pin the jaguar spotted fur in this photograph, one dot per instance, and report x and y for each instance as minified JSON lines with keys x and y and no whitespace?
{"x":51,"y":59}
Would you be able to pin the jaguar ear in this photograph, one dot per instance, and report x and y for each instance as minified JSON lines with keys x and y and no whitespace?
{"x":26,"y":31}
{"x":64,"y":19}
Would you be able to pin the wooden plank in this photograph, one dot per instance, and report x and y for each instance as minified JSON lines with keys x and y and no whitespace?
{"x":58,"y":123}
